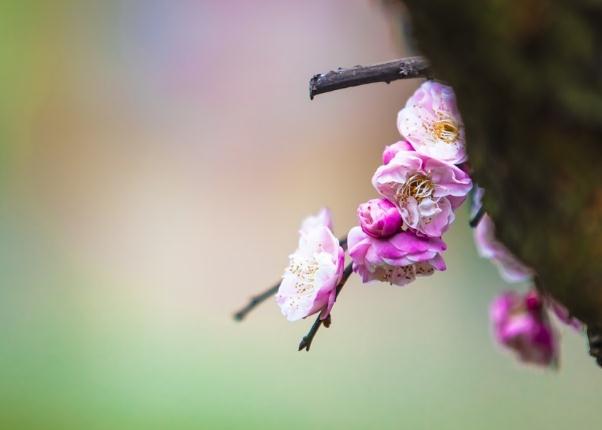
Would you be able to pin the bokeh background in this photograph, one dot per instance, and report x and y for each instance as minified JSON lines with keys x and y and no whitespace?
{"x":156,"y":158}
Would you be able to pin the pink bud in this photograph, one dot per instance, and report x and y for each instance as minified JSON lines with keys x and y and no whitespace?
{"x":533,"y":301}
{"x":379,"y":218}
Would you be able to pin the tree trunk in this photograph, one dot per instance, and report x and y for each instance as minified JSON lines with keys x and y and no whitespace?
{"x":528,"y":77}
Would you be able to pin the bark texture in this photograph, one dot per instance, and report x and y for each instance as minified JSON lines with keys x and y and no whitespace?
{"x":528,"y":76}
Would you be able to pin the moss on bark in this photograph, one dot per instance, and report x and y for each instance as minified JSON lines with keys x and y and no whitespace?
{"x":528,"y":76}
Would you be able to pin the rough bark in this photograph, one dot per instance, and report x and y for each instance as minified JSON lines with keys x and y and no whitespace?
{"x":528,"y":76}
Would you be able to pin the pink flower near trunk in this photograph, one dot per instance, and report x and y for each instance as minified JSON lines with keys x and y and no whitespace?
{"x":309,"y":282}
{"x":563,"y":314}
{"x":426,"y":190}
{"x":379,"y":218}
{"x":398,"y":259}
{"x":510,"y":267}
{"x":431,"y":122}
{"x":520,"y":323}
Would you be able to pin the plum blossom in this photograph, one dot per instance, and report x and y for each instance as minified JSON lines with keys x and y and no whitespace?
{"x":426,"y":190}
{"x":398,"y":259}
{"x":520,"y":323}
{"x":510,"y":267}
{"x":379,"y":218}
{"x":431,"y":122}
{"x":391,"y":150}
{"x":322,"y":218}
{"x":314,"y":271}
{"x":563,"y":314}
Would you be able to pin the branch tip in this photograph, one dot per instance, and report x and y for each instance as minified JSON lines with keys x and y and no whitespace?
{"x":404,"y":68}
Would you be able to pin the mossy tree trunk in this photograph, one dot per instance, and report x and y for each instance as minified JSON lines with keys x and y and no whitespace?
{"x":528,"y":76}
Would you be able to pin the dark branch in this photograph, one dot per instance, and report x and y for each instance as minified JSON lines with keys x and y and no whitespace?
{"x":256,"y":300}
{"x":343,"y":243}
{"x":309,"y":337}
{"x":477,"y":218}
{"x":594,"y":335}
{"x":404,"y":68}
{"x":262,"y":297}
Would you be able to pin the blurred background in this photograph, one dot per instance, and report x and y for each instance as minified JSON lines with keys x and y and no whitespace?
{"x":156,"y":159}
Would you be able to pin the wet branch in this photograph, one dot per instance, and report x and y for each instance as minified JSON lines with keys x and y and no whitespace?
{"x":404,"y":68}
{"x":309,"y":337}
{"x":262,"y":297}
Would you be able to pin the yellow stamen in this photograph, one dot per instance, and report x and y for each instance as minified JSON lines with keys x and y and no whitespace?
{"x":418,"y":186}
{"x":446,"y":131}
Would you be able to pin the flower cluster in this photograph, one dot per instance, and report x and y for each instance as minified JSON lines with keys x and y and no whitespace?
{"x":399,"y":236}
{"x":422,"y":181}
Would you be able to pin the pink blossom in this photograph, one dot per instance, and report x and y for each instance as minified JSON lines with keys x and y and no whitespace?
{"x":391,"y":150}
{"x":398,"y":259}
{"x":521,"y":324}
{"x":322,"y":218}
{"x":315,"y":269}
{"x":563,"y":314}
{"x":379,"y":218}
{"x":477,"y":200}
{"x":426,"y":191}
{"x":431,"y":122}
{"x":510,"y":267}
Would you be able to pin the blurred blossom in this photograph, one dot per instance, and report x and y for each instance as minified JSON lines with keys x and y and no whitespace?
{"x":510,"y":267}
{"x":521,"y":324}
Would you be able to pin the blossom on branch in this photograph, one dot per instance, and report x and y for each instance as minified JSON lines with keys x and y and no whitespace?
{"x":431,"y":122}
{"x":309,"y":282}
{"x":398,"y":259}
{"x":426,"y":190}
{"x":379,"y":218}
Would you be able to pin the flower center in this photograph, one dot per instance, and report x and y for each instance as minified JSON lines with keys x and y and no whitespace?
{"x":446,"y":130}
{"x":305,"y":270}
{"x":418,"y":186}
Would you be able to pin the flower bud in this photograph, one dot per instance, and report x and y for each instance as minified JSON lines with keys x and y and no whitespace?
{"x":379,"y":218}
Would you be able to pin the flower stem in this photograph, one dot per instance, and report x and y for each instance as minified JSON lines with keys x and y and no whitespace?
{"x":255,"y":301}
{"x":594,"y":335}
{"x":309,"y":337}
{"x":262,"y":297}
{"x":404,"y":68}
{"x":477,"y":218}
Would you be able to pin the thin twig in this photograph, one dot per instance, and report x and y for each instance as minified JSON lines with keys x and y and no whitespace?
{"x":594,"y":335}
{"x":477,"y":218}
{"x":343,"y":243}
{"x":404,"y":68}
{"x":309,"y":337}
{"x":256,"y":300}
{"x":262,"y":297}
